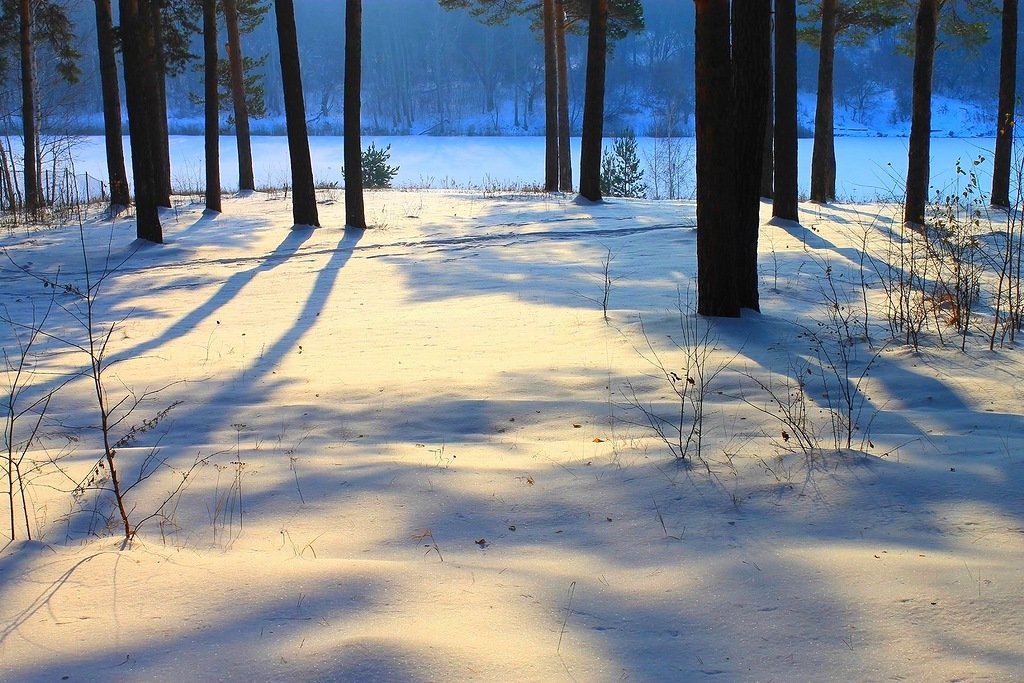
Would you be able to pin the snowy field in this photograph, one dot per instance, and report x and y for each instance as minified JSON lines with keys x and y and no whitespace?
{"x":421,"y":453}
{"x":869,"y":168}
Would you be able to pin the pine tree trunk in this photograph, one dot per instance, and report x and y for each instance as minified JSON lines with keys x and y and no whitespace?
{"x":160,"y":141}
{"x":117,"y":177}
{"x":921,"y":113}
{"x":211,"y":106}
{"x":243,"y":139}
{"x":717,"y":292}
{"x":355,"y":214}
{"x":593,"y":108}
{"x":823,"y":156}
{"x":751,"y":69}
{"x":1007,"y":97}
{"x":564,"y":125}
{"x":550,"y":99}
{"x":304,"y":209}
{"x":768,"y":147}
{"x":138,"y":47}
{"x":785,"y":201}
{"x":33,"y":190}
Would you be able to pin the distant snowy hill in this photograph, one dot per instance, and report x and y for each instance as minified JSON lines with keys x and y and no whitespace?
{"x":884,"y":116}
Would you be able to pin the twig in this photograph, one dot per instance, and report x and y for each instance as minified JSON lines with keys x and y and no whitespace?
{"x":568,"y":611}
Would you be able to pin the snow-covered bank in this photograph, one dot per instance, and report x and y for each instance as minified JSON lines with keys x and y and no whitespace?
{"x":423,"y":461}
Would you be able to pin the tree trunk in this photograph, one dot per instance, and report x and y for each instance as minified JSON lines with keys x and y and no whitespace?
{"x":921,"y":113}
{"x":768,"y":150}
{"x":823,"y":157}
{"x":212,"y":106}
{"x":564,"y":125}
{"x":304,"y":209}
{"x":161,"y":143}
{"x":717,"y":292}
{"x":785,"y":200}
{"x":117,"y":177}
{"x":1007,"y":97}
{"x":33,"y":190}
{"x":138,"y":48}
{"x":355,"y":215}
{"x":593,"y":108}
{"x":751,"y":69}
{"x":243,"y":141}
{"x":550,"y":99}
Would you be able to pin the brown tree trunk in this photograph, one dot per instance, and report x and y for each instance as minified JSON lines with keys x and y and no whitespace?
{"x":564,"y":125}
{"x":211,"y":106}
{"x":550,"y":99}
{"x":33,"y":190}
{"x":1007,"y":97}
{"x":921,"y":113}
{"x":304,"y":209}
{"x":161,"y":143}
{"x":717,"y":291}
{"x":823,"y":157}
{"x":768,"y":147}
{"x":785,"y":198}
{"x":751,"y":69}
{"x":243,"y":139}
{"x":355,"y":214}
{"x":139,"y":49}
{"x":593,"y":107}
{"x":116,"y":174}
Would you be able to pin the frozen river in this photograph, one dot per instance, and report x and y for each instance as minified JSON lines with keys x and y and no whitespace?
{"x":868,"y":168}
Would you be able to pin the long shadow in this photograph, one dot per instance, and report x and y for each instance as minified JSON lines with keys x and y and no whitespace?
{"x":676,"y":633}
{"x":716,"y":600}
{"x":227,"y":292}
{"x":256,"y":376}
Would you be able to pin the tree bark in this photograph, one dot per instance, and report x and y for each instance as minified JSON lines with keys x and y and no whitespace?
{"x":138,"y":47}
{"x":211,"y":106}
{"x":751,"y":75}
{"x":1007,"y":96}
{"x":304,"y":209}
{"x":355,"y":214}
{"x":564,"y":125}
{"x":33,"y":190}
{"x":161,"y":142}
{"x":243,"y":139}
{"x":823,"y":156}
{"x":117,"y":177}
{"x":785,"y":200}
{"x":550,"y":99}
{"x":921,"y":113}
{"x":593,"y":106}
{"x":717,"y":291}
{"x":768,"y":146}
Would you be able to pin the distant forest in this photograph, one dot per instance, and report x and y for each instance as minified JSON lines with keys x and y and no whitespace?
{"x":432,"y":71}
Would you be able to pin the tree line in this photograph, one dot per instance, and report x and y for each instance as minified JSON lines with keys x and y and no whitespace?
{"x":444,"y":72}
{"x":746,"y":134}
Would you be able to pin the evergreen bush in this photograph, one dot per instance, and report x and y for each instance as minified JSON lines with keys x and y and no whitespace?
{"x":377,"y":172}
{"x":621,"y":175}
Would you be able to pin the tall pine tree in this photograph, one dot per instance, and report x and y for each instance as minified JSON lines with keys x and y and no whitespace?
{"x":304,"y":209}
{"x":593,"y":107}
{"x":1007,"y":99}
{"x":732,"y":64}
{"x":355,"y":214}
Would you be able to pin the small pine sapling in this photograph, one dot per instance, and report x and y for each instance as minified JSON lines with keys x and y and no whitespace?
{"x":621,"y":175}
{"x":377,"y":172}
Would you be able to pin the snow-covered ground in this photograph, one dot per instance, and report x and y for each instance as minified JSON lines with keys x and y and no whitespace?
{"x":418,"y":457}
{"x":869,"y":168}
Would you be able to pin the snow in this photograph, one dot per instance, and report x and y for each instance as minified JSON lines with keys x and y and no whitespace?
{"x":421,"y":462}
